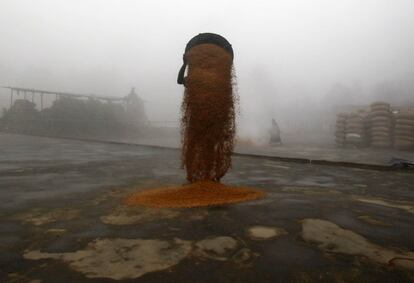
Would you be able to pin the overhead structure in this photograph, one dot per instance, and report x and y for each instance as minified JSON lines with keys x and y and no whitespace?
{"x":58,"y":94}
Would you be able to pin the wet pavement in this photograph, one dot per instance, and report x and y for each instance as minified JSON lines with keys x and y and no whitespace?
{"x":331,"y":153}
{"x":322,"y":151}
{"x":62,"y":220}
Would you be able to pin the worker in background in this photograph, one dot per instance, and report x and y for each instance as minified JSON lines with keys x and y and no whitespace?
{"x":275,"y":134}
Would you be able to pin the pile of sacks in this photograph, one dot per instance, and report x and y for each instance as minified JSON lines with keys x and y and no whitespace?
{"x":340,"y":129}
{"x":355,"y":132}
{"x":404,"y":130}
{"x":381,"y":125}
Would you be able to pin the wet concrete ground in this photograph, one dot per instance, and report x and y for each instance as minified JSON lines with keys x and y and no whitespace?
{"x":325,"y":151}
{"x":61,"y":220}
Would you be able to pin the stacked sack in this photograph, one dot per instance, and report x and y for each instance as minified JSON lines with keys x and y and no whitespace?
{"x":404,"y":130}
{"x":366,"y":122}
{"x":340,"y":129}
{"x":381,"y":123}
{"x":355,"y":130}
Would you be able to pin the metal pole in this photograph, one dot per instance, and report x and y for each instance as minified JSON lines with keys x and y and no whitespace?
{"x":33,"y":94}
{"x":11,"y":97}
{"x":41,"y":101}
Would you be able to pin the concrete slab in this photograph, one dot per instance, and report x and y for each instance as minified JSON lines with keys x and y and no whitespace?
{"x":308,"y":151}
{"x":62,"y":220}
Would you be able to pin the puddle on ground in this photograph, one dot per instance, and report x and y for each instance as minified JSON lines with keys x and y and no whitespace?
{"x":394,"y":204}
{"x":332,"y":238}
{"x":261,"y":201}
{"x":360,"y":185}
{"x":260,"y":179}
{"x":257,"y":171}
{"x":39,"y":217}
{"x":217,"y":248}
{"x":372,"y":221}
{"x":276,"y":166}
{"x":312,"y":190}
{"x":128,"y":215}
{"x":114,"y":193}
{"x":16,"y":277}
{"x":318,"y":181}
{"x":131,"y":258}
{"x":195,"y":215}
{"x":56,"y":231}
{"x":265,"y":232}
{"x":121,"y":258}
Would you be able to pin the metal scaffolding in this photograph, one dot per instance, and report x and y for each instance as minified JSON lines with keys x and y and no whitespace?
{"x":58,"y":94}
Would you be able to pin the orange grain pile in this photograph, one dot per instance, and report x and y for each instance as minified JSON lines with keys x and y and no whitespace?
{"x":208,"y":121}
{"x":208,"y":129}
{"x":205,"y":193}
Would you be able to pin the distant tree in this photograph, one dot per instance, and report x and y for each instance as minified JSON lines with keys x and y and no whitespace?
{"x":21,"y":116}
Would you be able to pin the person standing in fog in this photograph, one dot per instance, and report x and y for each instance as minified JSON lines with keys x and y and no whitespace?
{"x":275,"y":134}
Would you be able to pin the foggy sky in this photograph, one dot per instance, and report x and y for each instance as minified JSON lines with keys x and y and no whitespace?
{"x":287,"y":53}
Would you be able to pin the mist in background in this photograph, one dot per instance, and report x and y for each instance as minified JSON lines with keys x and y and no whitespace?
{"x":294,"y":60}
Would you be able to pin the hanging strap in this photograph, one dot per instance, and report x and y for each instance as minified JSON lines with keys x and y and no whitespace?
{"x":180,"y":79}
{"x":201,"y":39}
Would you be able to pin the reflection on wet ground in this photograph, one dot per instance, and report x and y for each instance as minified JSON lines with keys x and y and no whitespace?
{"x":61,"y":220}
{"x":296,"y":147}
